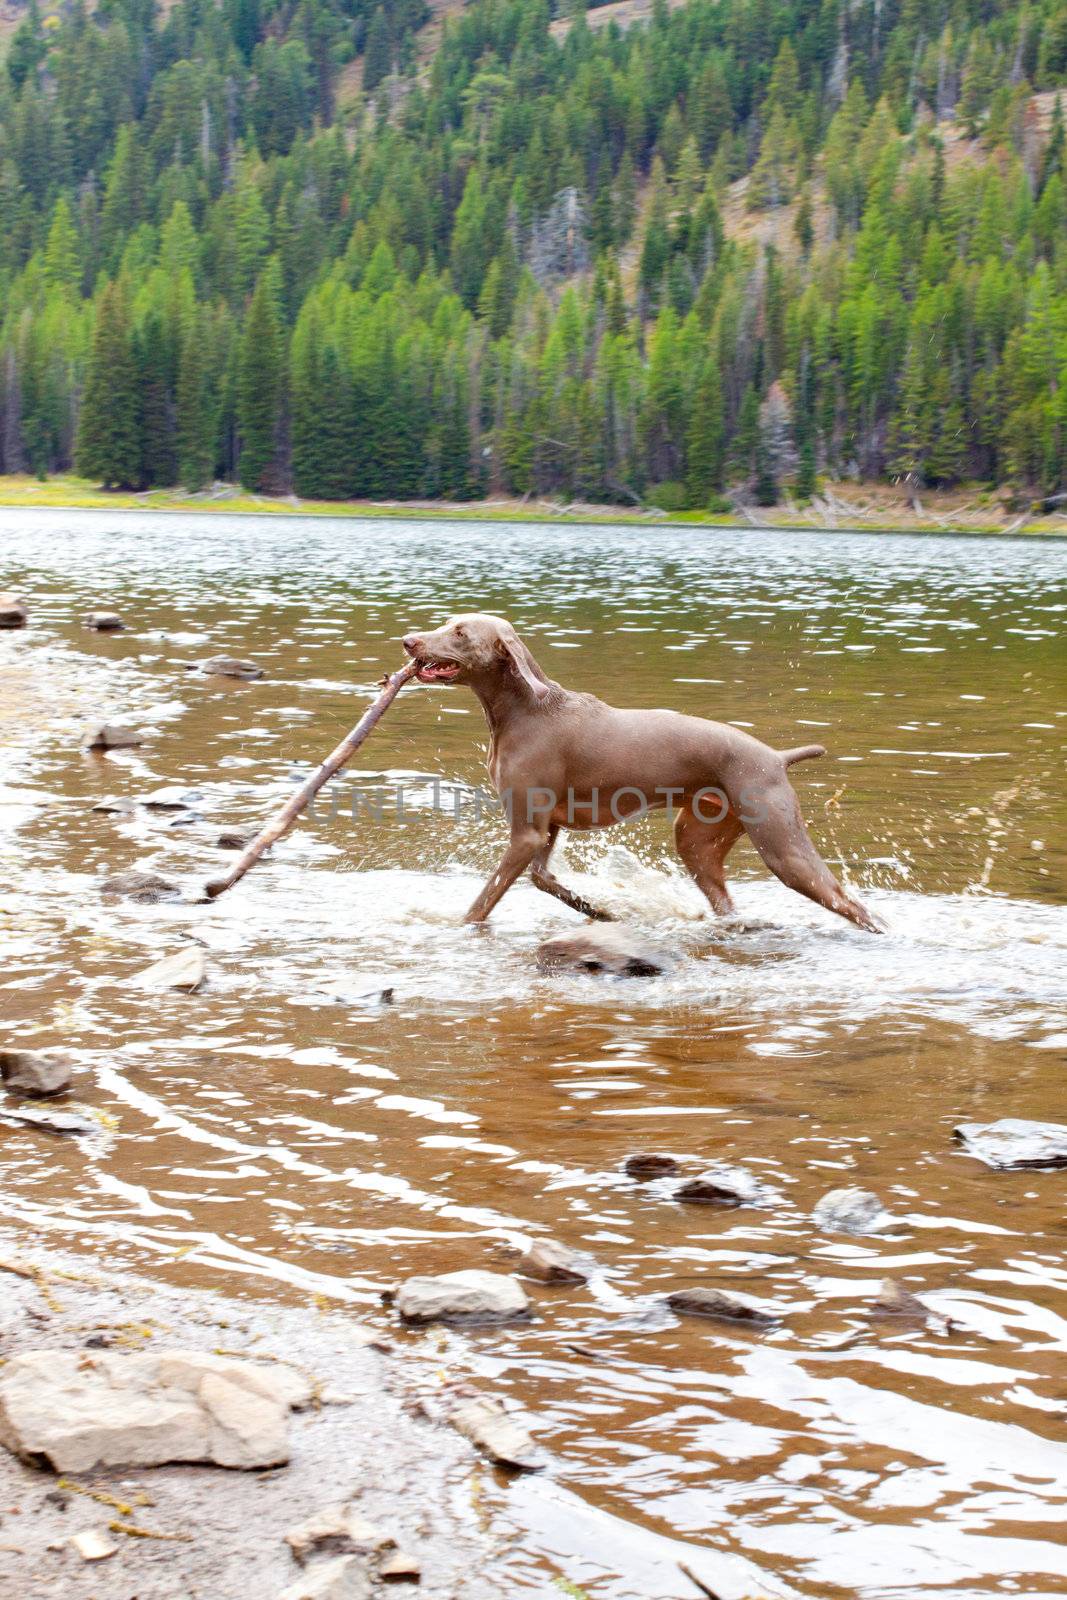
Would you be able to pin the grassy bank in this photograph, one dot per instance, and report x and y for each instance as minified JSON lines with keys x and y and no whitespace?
{"x":873,"y":508}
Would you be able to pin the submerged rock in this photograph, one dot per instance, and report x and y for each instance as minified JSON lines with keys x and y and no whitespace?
{"x":103,"y":622}
{"x":340,"y":1531}
{"x":724,"y":1186}
{"x":13,"y":614}
{"x":489,"y":1427}
{"x":110,"y":736}
{"x":893,"y":1300}
{"x":232,"y":840}
{"x":643,"y":1166}
{"x":35,"y":1072}
{"x":144,"y":887}
{"x":171,"y":797}
{"x":344,"y":1578}
{"x":548,"y":1261}
{"x":77,"y":1411}
{"x":471,"y":1296}
{"x":722,"y":1307}
{"x":851,"y":1210}
{"x":1014,"y":1142}
{"x":229,"y":667}
{"x":185,"y":970}
{"x":66,"y":1123}
{"x":610,"y":948}
{"x":114,"y":804}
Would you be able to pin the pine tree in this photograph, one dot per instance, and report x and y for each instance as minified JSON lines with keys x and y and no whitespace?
{"x":194,"y":425}
{"x":704,"y":442}
{"x":259,"y":388}
{"x":62,"y":268}
{"x":109,"y":429}
{"x":378,"y":51}
{"x":158,"y":457}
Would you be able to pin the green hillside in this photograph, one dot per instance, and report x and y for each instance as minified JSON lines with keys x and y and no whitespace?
{"x":321,"y":245}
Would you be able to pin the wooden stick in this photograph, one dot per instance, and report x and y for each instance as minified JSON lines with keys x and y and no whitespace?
{"x":283,"y":821}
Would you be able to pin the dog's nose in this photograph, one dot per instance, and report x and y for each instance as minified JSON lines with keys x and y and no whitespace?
{"x":411,"y":642}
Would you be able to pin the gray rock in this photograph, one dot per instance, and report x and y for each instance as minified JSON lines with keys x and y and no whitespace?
{"x":171,"y":798}
{"x":1015,"y":1142}
{"x":720,"y":1306}
{"x":338,"y":1531}
{"x":650,"y":1166}
{"x":548,"y":1261}
{"x":110,"y":736}
{"x":725,"y":1186}
{"x":93,"y":1544}
{"x":114,"y":804}
{"x":609,"y":948}
{"x":66,"y":1123}
{"x":77,"y":1411}
{"x":400,"y":1568}
{"x":232,"y":840}
{"x":344,"y":1578}
{"x":851,"y":1210}
{"x":489,"y":1427}
{"x":13,"y":613}
{"x":103,"y":622}
{"x":35,"y":1072}
{"x":229,"y":667}
{"x":144,"y":887}
{"x":185,"y":970}
{"x":472,"y":1296}
{"x":893,"y":1300}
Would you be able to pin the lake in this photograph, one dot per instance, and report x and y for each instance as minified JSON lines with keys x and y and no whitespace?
{"x":282,"y":1134}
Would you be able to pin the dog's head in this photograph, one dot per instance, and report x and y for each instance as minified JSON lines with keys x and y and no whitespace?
{"x":472,"y":649}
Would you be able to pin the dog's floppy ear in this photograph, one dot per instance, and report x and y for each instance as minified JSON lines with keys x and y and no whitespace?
{"x":522,"y":664}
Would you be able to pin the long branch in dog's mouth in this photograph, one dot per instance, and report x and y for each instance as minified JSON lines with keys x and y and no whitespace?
{"x":437,"y":671}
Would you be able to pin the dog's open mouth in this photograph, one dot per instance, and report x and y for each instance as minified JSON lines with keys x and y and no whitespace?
{"x":437,"y":671}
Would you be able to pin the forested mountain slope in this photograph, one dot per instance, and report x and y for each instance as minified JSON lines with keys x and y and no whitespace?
{"x":735,"y":245}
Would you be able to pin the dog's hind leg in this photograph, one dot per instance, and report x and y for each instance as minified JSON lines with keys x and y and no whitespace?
{"x":542,"y":878}
{"x":777,"y":829}
{"x":703,"y":847}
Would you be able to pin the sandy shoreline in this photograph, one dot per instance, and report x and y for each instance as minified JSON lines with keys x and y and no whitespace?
{"x":874,"y":508}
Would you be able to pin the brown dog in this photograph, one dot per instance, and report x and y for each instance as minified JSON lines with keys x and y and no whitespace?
{"x":560,"y":759}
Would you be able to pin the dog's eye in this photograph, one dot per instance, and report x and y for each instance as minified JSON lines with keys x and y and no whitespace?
{"x":461,"y":632}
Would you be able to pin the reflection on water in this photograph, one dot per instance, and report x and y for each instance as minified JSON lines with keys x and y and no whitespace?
{"x":284,"y":1128}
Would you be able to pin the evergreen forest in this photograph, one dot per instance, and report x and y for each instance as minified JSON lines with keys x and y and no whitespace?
{"x":378,"y":249}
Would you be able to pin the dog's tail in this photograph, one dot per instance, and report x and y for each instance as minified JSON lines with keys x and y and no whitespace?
{"x":803,"y":752}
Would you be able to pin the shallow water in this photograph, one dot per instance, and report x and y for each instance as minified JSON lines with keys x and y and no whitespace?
{"x":277,"y":1133}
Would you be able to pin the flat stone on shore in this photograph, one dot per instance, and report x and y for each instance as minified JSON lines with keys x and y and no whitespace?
{"x":340,"y":1530}
{"x":342,"y":1579}
{"x":80,"y":1410}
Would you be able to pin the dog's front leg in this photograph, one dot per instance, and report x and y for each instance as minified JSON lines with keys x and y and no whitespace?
{"x":526,"y":840}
